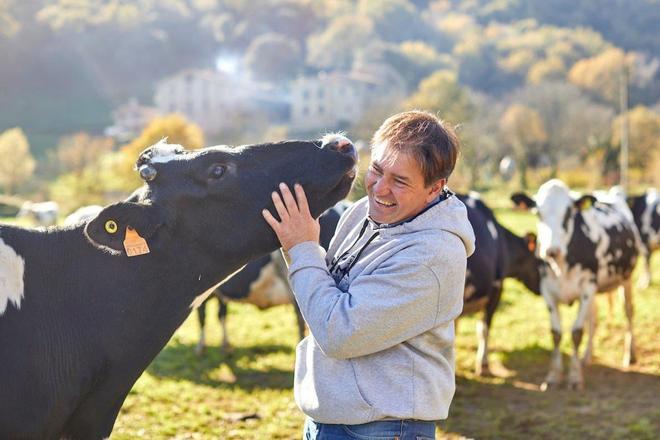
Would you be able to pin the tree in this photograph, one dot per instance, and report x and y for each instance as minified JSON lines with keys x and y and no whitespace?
{"x":273,"y":57}
{"x":601,"y":75}
{"x":77,"y":152}
{"x":17,"y":164}
{"x":174,"y":127}
{"x":644,"y":135}
{"x":395,"y":20}
{"x":522,"y":128}
{"x":441,"y":93}
{"x":572,"y":122}
{"x":336,"y":46}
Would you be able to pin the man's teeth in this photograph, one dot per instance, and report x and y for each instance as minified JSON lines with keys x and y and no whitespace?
{"x":382,"y":202}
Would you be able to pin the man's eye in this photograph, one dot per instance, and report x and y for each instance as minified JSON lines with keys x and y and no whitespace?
{"x":217,"y":171}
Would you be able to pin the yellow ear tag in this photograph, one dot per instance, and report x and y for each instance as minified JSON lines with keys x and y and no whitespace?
{"x":586,"y":204}
{"x":134,"y":244}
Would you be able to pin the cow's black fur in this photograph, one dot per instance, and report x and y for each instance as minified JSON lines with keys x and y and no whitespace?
{"x":646,"y":213}
{"x":494,"y":259}
{"x":92,"y":319}
{"x":238,"y":287}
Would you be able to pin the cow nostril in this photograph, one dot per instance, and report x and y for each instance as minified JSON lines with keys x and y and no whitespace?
{"x":147,"y":173}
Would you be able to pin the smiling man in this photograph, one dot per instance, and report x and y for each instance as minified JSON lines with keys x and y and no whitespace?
{"x":381,"y":303}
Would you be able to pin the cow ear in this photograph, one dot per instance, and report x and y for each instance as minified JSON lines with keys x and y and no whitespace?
{"x":523,"y":201}
{"x":530,"y":239}
{"x":108,"y":229}
{"x":585,"y":202}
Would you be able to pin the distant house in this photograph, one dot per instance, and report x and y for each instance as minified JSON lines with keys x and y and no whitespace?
{"x":206,"y":97}
{"x":129,"y":120}
{"x":332,"y":100}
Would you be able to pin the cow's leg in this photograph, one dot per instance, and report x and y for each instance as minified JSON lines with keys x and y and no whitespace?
{"x":644,"y":280}
{"x":483,"y":330}
{"x":629,"y":347}
{"x":575,"y":374}
{"x":222,"y":316}
{"x":592,"y":321}
{"x":554,"y":376}
{"x":201,"y":318}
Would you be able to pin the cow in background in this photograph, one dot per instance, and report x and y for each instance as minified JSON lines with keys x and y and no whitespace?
{"x":43,"y":213}
{"x":646,"y":213}
{"x":263,"y":283}
{"x":499,"y":254}
{"x":82,"y":215}
{"x":589,"y":247}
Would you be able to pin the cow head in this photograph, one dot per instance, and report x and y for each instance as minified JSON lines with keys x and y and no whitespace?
{"x":556,"y":208}
{"x":211,"y":199}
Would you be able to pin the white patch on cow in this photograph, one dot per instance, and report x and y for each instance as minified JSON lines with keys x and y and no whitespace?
{"x":269,"y":289}
{"x":334,"y":137}
{"x":471,"y":202}
{"x":163,"y":152}
{"x":552,"y":201}
{"x":12,"y":271}
{"x":492,"y":229}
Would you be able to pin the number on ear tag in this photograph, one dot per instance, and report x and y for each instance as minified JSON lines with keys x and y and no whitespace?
{"x":134,"y":244}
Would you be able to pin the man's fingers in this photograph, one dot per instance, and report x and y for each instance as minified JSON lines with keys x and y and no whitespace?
{"x":279,"y":206}
{"x":302,"y":199}
{"x":290,"y":202}
{"x":270,"y":219}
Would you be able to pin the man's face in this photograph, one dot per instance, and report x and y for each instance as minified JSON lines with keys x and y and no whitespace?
{"x":395,"y":187}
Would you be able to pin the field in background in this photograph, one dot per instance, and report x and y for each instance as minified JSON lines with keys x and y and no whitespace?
{"x":247,"y":393}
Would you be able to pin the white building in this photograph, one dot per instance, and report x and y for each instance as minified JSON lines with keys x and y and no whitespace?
{"x":334,"y":100}
{"x":206,"y":97}
{"x":129,"y":120}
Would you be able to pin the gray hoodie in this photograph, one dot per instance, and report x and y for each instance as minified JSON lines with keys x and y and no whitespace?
{"x":381,"y":307}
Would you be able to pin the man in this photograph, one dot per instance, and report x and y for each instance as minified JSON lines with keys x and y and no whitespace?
{"x":381,"y":303}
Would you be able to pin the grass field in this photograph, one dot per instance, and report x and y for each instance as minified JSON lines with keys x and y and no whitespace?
{"x":247,"y":393}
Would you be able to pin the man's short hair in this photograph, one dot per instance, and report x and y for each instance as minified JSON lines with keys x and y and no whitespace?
{"x":431,"y":142}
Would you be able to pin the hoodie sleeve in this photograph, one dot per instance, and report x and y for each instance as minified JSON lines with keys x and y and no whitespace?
{"x":400,"y":299}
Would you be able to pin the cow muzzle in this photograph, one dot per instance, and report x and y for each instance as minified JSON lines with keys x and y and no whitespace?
{"x":147,"y":172}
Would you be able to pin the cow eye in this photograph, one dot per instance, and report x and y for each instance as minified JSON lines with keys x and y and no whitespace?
{"x":217,"y":171}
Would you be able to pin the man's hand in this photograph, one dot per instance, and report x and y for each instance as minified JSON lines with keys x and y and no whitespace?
{"x":296,"y":223}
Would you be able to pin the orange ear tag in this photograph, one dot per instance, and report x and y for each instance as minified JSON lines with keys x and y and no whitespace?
{"x":134,"y":244}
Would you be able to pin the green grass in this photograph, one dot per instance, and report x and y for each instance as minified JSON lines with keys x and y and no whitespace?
{"x":247,"y":393}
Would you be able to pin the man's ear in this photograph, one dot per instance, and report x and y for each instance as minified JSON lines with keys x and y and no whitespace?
{"x":436,"y":189}
{"x":108,"y":229}
{"x":523,"y":201}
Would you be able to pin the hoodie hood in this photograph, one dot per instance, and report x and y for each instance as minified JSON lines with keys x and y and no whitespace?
{"x":448,"y":215}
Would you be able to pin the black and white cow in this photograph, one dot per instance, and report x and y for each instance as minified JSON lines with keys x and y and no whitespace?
{"x":263,"y":283}
{"x":84,"y":310}
{"x":589,"y":247}
{"x":43,"y":213}
{"x":646,"y":212}
{"x":499,"y":254}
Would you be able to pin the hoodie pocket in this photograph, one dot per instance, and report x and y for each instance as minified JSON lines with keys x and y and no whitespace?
{"x":326,"y":389}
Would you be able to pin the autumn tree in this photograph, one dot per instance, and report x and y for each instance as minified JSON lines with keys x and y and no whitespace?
{"x":522,"y":128}
{"x":273,"y":57}
{"x":644,"y":135}
{"x":441,"y":93}
{"x":335,"y":47}
{"x":17,"y":164}
{"x":601,"y":74}
{"x":174,"y":127}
